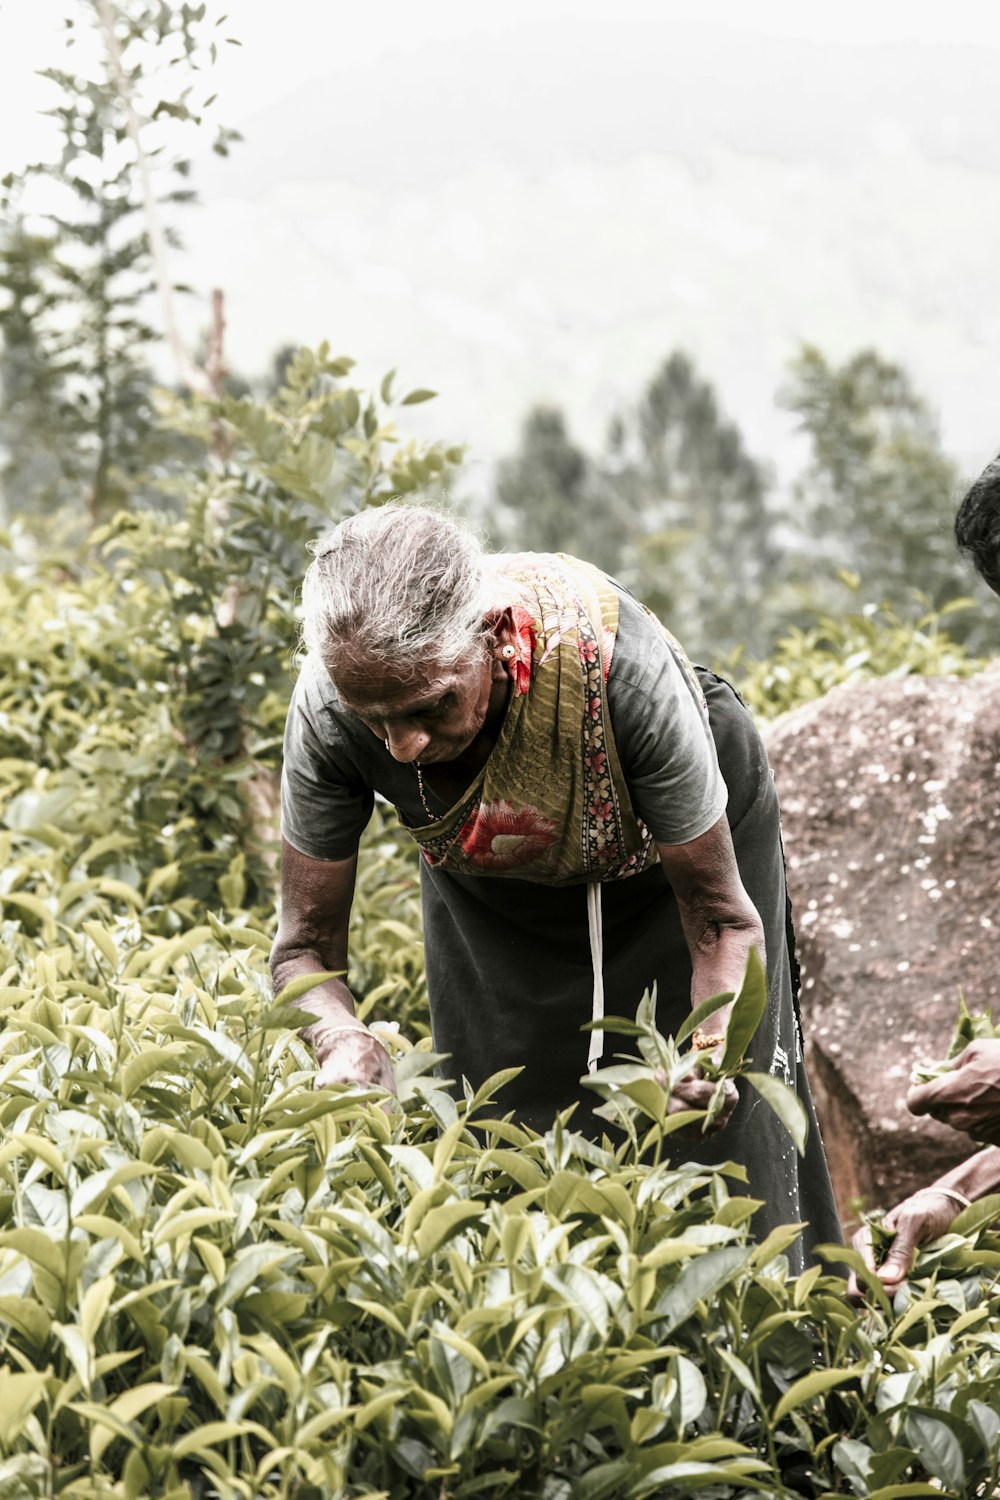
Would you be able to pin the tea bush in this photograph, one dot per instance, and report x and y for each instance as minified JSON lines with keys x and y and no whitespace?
{"x":216,"y":1281}
{"x":868,"y":641}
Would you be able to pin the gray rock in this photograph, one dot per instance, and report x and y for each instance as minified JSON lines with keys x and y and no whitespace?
{"x":890,"y":795}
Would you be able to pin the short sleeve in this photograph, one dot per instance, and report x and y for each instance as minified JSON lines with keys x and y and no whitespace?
{"x":325,"y":801}
{"x":662,"y":733}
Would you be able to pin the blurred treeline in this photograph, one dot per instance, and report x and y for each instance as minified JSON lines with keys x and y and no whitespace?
{"x":676,"y":506}
{"x":673,"y":503}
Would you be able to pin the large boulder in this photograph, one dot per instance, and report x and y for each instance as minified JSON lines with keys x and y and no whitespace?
{"x":890,"y":796}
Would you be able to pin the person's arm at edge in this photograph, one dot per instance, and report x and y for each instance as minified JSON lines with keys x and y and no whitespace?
{"x":316,"y":897}
{"x":720,"y":925}
{"x":926,"y":1215}
{"x":967,"y":1097}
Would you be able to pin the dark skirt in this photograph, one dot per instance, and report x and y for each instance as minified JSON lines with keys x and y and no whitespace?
{"x":510,"y":981}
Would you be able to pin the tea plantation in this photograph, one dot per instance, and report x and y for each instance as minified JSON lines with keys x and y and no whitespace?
{"x":218,"y":1281}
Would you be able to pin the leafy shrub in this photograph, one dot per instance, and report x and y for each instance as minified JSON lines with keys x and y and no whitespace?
{"x":216,"y":1281}
{"x":874,"y":641}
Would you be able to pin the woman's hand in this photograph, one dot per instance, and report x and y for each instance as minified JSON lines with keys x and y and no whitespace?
{"x":696,"y":1092}
{"x":916,"y":1221}
{"x":351,"y":1054}
{"x":968,"y":1096}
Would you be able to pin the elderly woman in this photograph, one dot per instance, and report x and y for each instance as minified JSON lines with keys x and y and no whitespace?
{"x":594,"y":817}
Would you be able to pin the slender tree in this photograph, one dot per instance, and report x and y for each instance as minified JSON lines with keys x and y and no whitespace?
{"x":702,"y":549}
{"x":86,"y":250}
{"x":878,"y":495}
{"x":552,"y":497}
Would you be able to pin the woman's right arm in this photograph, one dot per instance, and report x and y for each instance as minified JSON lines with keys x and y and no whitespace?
{"x":316,"y":896}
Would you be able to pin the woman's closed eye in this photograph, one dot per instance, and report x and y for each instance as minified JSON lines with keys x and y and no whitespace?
{"x":435,"y":711}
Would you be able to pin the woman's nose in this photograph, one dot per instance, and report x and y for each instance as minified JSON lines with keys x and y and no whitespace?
{"x":406,"y":744}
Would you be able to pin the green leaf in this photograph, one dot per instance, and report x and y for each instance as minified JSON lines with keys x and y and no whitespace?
{"x":302,"y":985}
{"x":937,"y":1447}
{"x":102,"y":939}
{"x":416,"y":396}
{"x":785,"y":1103}
{"x":21,"y":1393}
{"x":29,"y":1317}
{"x":747,"y":1012}
{"x":437,"y":1225}
{"x":250,"y":1263}
{"x":205,"y":1439}
{"x":701,"y":1013}
{"x":701,"y":1280}
{"x":979,"y":1215}
{"x":815,"y":1384}
{"x":145,"y":1064}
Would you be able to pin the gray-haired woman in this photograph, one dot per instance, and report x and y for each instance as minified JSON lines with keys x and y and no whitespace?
{"x":595,"y":816}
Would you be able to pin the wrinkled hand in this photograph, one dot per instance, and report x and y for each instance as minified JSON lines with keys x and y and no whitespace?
{"x":353,"y":1056}
{"x":968,"y":1097}
{"x":916,"y":1221}
{"x":695,"y":1092}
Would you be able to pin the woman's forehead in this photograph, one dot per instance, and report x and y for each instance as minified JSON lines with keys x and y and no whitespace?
{"x":377,"y":689}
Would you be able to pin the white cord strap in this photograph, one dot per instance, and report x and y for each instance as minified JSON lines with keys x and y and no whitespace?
{"x":596,"y":928}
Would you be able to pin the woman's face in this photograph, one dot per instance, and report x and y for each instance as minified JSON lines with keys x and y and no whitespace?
{"x":431,"y":718}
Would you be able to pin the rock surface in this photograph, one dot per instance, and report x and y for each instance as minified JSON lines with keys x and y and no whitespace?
{"x":890,"y":796}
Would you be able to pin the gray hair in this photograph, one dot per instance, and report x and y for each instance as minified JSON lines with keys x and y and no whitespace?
{"x":400,"y":585}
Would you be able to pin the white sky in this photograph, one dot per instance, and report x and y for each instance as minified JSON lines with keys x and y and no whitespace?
{"x":500,"y":289}
{"x":284,"y":44}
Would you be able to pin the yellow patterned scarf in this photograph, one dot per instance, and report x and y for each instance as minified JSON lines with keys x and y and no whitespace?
{"x":551,"y":804}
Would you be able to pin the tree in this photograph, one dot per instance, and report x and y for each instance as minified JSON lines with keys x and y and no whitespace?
{"x":703,"y":541}
{"x":878,"y":495}
{"x":549,"y":495}
{"x":86,"y":249}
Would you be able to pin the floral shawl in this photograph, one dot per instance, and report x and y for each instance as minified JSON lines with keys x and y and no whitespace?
{"x":551,"y":803}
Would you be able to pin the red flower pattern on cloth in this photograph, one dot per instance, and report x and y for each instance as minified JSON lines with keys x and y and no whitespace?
{"x":498,"y":838}
{"x":524,"y":649}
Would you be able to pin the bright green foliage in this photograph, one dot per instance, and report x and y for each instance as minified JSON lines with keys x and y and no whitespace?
{"x":968,"y":1028}
{"x":215,"y":1281}
{"x":850,"y":647}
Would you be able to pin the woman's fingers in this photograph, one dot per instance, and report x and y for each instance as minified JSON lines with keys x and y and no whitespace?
{"x":355,"y":1057}
{"x":915,"y":1222}
{"x":697,"y":1093}
{"x":967,"y":1097}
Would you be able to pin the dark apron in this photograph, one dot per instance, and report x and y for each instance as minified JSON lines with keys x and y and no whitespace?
{"x":510,"y":981}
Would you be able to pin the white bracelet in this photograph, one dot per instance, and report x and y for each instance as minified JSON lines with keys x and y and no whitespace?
{"x":952,"y":1193}
{"x":361,"y":1030}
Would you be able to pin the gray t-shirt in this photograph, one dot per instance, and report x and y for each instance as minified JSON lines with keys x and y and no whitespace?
{"x":334,"y":765}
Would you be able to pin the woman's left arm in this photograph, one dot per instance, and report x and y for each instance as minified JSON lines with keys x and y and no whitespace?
{"x":720,"y":922}
{"x":721,"y":925}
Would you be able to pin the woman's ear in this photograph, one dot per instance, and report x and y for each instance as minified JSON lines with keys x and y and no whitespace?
{"x":500,"y":628}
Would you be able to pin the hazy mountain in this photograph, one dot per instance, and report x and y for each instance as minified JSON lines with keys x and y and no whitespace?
{"x":545,"y":212}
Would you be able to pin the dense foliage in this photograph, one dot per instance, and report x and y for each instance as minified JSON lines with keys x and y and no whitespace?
{"x":215,"y":1281}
